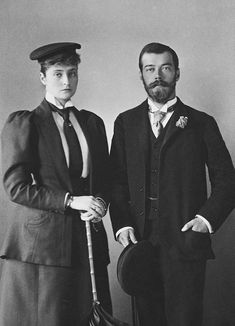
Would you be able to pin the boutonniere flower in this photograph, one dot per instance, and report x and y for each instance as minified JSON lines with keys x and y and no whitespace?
{"x":182,"y":122}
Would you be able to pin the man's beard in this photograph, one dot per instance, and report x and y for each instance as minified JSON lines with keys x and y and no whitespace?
{"x":162,"y":93}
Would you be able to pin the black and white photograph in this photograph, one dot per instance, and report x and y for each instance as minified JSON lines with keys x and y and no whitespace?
{"x":117,"y":155}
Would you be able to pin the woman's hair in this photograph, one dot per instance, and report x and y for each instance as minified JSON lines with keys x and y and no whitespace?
{"x":66,"y":58}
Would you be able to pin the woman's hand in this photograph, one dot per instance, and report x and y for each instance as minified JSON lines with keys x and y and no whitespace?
{"x":89,"y":206}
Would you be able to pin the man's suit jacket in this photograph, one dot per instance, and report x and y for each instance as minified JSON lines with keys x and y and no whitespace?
{"x":36,"y":179}
{"x":182,"y":188}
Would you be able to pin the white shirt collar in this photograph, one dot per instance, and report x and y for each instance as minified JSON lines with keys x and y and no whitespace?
{"x":164,"y":108}
{"x":51,"y":99}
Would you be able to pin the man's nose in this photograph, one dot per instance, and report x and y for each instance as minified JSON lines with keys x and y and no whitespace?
{"x":158,"y":74}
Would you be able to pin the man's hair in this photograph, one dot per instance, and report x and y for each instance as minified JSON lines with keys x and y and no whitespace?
{"x":158,"y":48}
{"x":66,"y":58}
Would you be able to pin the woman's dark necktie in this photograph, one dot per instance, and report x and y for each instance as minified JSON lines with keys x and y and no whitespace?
{"x":75,"y":153}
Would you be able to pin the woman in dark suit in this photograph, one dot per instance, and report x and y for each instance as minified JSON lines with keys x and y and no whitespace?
{"x":56,"y":175}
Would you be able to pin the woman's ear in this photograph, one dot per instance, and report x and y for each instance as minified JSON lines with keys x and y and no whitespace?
{"x":43,"y":78}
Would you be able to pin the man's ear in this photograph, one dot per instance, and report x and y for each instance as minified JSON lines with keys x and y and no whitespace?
{"x":177,"y":74}
{"x":43,"y":78}
{"x":140,"y":75}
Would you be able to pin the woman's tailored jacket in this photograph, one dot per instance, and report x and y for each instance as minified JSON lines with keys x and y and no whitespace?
{"x":36,"y":178}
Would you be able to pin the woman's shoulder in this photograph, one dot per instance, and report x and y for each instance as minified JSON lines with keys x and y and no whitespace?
{"x":19,"y":116}
{"x":89,"y":115}
{"x":18,"y":120}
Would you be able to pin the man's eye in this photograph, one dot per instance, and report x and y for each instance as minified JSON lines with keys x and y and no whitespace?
{"x":58,"y":75}
{"x":167,"y":68}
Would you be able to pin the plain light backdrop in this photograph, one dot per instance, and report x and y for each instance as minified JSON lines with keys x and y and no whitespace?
{"x":112,"y":33}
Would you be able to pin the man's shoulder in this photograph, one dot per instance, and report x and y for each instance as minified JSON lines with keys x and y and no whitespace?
{"x":197,"y":114}
{"x":133,"y":111}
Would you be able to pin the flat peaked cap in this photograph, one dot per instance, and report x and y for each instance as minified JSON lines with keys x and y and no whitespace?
{"x":48,"y":50}
{"x":136,"y":268}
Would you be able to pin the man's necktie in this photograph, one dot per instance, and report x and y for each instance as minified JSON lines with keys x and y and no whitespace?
{"x":158,"y":115}
{"x":157,"y":124}
{"x":75,"y":154}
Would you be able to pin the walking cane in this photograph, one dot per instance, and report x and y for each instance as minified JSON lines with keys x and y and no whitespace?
{"x":98,"y":316}
{"x":135,"y":319}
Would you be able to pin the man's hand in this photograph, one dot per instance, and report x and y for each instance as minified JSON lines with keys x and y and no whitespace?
{"x":127,"y":236}
{"x":197,"y":225}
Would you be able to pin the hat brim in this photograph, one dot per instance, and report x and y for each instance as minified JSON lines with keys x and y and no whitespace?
{"x":48,"y":50}
{"x":136,"y":268}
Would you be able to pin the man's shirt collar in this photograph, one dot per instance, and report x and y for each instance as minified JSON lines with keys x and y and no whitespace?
{"x":164,"y":108}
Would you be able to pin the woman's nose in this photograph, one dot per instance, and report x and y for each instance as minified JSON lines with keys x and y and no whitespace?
{"x":65,"y":80}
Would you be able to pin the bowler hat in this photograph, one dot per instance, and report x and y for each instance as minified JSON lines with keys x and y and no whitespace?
{"x":135,"y":268}
{"x":49,"y":50}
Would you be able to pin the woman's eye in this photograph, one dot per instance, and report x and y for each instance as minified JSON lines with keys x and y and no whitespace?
{"x":74,"y":73}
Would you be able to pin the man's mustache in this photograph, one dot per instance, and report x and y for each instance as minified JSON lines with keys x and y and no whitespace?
{"x":158,"y":83}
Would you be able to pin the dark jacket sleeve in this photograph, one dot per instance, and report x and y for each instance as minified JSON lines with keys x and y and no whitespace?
{"x":120,"y":197}
{"x":18,"y":146}
{"x":221,"y":174}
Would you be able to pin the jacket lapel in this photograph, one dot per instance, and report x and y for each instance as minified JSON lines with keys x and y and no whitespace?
{"x":141,"y":127}
{"x":172,"y":130}
{"x":83,"y":121}
{"x":50,"y":132}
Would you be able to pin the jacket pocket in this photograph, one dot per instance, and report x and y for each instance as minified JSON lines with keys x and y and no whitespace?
{"x":38,"y":220}
{"x":197,"y":240}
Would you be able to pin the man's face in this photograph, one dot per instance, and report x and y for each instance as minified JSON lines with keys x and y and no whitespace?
{"x":60,"y":81}
{"x":159,"y":76}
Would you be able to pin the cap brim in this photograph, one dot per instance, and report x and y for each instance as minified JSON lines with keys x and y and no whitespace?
{"x":51,"y":49}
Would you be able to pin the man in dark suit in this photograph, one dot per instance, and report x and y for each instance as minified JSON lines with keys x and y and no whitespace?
{"x":56,"y":174}
{"x":160,"y":150}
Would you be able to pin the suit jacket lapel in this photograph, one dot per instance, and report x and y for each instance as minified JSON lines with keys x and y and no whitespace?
{"x":83,"y":122}
{"x":173,"y":130}
{"x":141,"y":127}
{"x":50,"y":132}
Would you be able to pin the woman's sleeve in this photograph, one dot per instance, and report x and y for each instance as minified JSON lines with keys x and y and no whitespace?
{"x":18,"y":146}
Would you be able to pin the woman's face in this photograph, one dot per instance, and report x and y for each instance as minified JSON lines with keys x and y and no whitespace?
{"x":60,"y":81}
